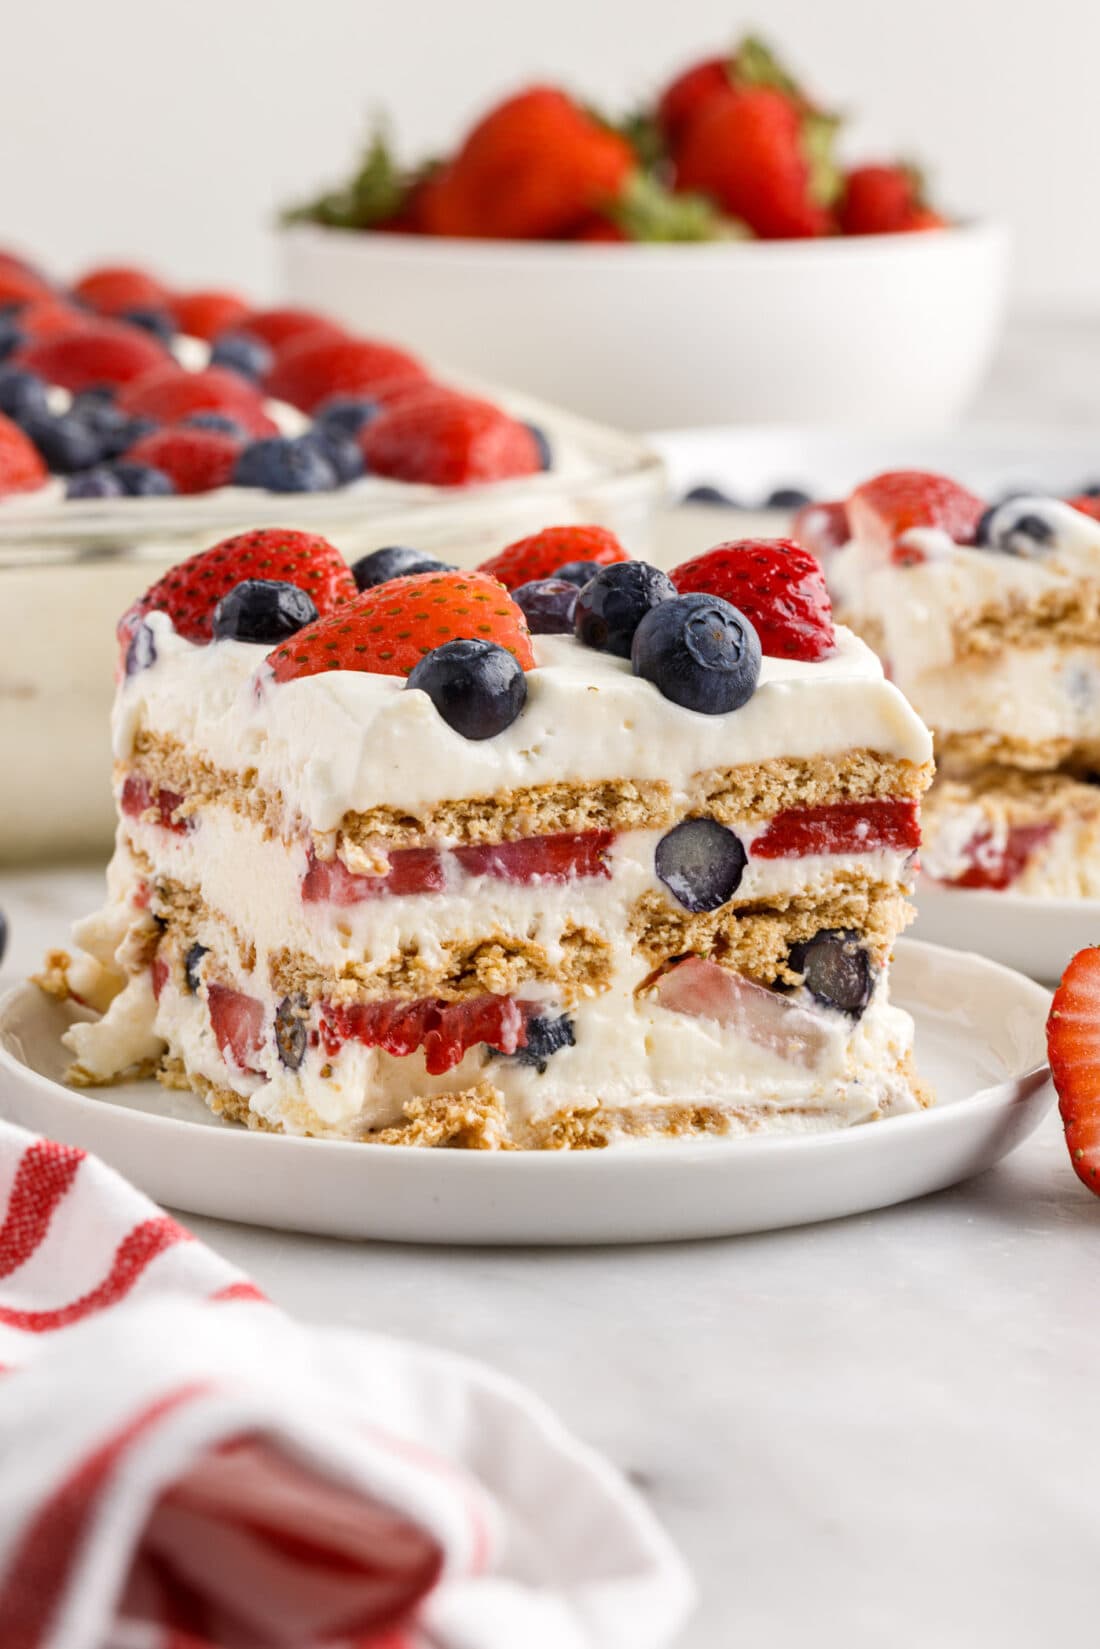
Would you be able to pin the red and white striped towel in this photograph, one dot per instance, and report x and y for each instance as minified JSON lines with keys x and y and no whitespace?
{"x":184,"y":1467}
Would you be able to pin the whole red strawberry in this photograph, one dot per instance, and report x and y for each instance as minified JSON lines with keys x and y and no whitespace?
{"x":190,"y":591}
{"x":168,"y":394}
{"x":101,"y":352}
{"x":387,"y":630}
{"x":308,"y":369}
{"x":778,"y":586}
{"x":533,"y":168}
{"x":883,"y":510}
{"x":277,"y":326}
{"x":747,"y":150}
{"x":115,"y":288}
{"x":683,"y":97}
{"x":884,"y":200}
{"x":540,"y":555}
{"x":204,"y":314}
{"x":21,"y":468}
{"x":448,"y":441}
{"x":1073,"y":1048}
{"x":195,"y":460}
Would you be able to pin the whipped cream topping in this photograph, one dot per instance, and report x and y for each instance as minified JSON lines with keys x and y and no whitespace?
{"x":349,"y":741}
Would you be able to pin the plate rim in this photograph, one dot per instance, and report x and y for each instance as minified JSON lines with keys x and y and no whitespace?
{"x":760,"y":1146}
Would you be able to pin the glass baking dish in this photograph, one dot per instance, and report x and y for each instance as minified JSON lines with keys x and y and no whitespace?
{"x":69,"y":570}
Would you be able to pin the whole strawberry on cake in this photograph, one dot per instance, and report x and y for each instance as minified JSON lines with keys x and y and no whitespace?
{"x":554,"y":853}
{"x":987,"y":616}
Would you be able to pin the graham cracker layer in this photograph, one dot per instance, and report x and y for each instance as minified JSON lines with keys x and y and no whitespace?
{"x":755,"y":942}
{"x":1016,"y":797}
{"x":754,"y":791}
{"x":960,"y":755}
{"x":476,"y":1118}
{"x":1068,"y":616}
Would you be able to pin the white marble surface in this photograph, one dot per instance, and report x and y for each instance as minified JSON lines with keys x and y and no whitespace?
{"x":871,"y":1433}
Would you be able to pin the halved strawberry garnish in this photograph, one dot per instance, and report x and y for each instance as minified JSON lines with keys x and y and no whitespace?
{"x":99,"y":352}
{"x":277,"y":326}
{"x":195,"y":460}
{"x":778,"y":586}
{"x":169,"y":394}
{"x":540,"y":555}
{"x":21,"y":467}
{"x":389,"y":628}
{"x":309,"y":368}
{"x":237,"y":1022}
{"x":190,"y":591}
{"x":206,"y":313}
{"x":840,"y":827}
{"x":1073,"y":1048}
{"x":113,"y":289}
{"x":448,"y":440}
{"x":883,"y":510}
{"x":444,"y":1030}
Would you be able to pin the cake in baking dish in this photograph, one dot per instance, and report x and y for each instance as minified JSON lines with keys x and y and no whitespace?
{"x":503,"y":859}
{"x":988,"y":619}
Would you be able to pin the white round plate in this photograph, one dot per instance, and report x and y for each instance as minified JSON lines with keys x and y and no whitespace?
{"x":980,"y":1043}
{"x":1036,"y":936}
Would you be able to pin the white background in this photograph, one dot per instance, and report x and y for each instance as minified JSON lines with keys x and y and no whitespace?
{"x":131,"y":127}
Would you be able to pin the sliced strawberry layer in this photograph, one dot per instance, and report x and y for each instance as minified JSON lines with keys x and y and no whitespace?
{"x":704,"y":990}
{"x":559,"y":858}
{"x":237,"y":1021}
{"x":444,"y":1030}
{"x":998,"y":865}
{"x":160,"y":976}
{"x":844,"y":827}
{"x":138,"y":796}
{"x":412,"y":870}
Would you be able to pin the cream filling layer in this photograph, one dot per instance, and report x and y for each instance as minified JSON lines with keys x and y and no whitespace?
{"x":256,"y":884}
{"x":350,"y":741}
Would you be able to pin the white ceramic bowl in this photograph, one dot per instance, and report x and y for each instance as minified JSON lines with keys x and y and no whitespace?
{"x":890,"y":330}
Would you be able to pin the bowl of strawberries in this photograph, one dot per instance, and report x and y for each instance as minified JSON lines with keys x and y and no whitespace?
{"x":707,"y":258}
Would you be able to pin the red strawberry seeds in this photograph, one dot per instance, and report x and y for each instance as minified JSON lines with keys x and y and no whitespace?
{"x":387,"y":630}
{"x":195,"y":460}
{"x":778,"y":586}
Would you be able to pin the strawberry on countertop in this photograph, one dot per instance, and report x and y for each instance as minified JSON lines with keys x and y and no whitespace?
{"x":1073,"y":1048}
{"x":390,"y":628}
{"x":190,"y":592}
{"x":778,"y":586}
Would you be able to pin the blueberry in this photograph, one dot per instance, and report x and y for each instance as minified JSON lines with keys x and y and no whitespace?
{"x":97,"y":395}
{"x":143,"y":480}
{"x":835,"y":969}
{"x":21,"y":393}
{"x":66,"y":441}
{"x":787,"y":498}
{"x":478,"y":688}
{"x":282,"y":463}
{"x":191,"y":964}
{"x":615,"y":600}
{"x":701,"y":863}
{"x":347,"y":413}
{"x":242,"y":353}
{"x":546,"y":1036}
{"x":577,"y":572}
{"x":116,"y":430}
{"x":291,"y":1036}
{"x":98,"y":482}
{"x":217,"y":421}
{"x":394,"y":561}
{"x":542,"y":446}
{"x":156,"y":321}
{"x":10,"y":336}
{"x":263,"y":610}
{"x":707,"y":494}
{"x":548,"y":605}
{"x":699,"y":652}
{"x":1018,"y":527}
{"x":141,"y":653}
{"x":338,"y":449}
